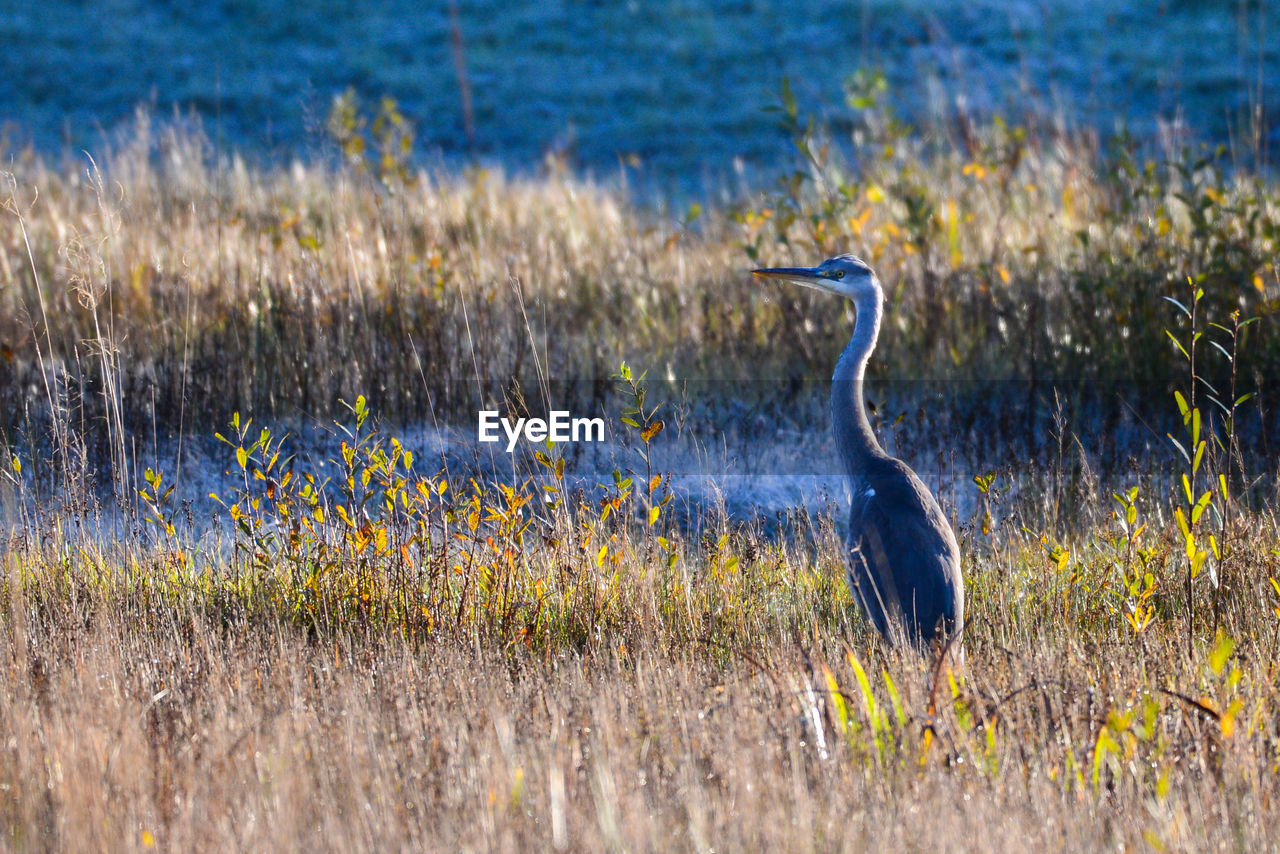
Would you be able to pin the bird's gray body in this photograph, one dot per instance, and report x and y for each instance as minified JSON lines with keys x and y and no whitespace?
{"x":904,"y":564}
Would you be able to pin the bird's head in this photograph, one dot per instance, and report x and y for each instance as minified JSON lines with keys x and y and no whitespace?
{"x":844,"y":275}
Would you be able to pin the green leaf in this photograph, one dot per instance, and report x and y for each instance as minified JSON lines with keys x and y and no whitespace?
{"x":1221,"y":653}
{"x":895,"y":700}
{"x":837,"y":700}
{"x":788,"y":98}
{"x":864,"y":685}
{"x":1182,"y":405}
{"x":1201,"y":505}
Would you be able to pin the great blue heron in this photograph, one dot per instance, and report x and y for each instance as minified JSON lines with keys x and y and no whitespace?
{"x":904,"y":564}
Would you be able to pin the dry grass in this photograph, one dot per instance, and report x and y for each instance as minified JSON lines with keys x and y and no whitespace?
{"x":461,"y":674}
{"x":390,"y":663}
{"x":130,"y":720}
{"x":281,"y":291}
{"x":186,"y":282}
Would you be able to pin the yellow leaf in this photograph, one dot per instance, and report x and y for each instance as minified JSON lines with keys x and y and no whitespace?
{"x":858,"y":223}
{"x":875,"y":194}
{"x":1182,"y":522}
{"x":1228,"y":718}
{"x":1004,"y":274}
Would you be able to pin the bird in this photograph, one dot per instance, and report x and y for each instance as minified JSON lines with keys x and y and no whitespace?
{"x":903,"y":559}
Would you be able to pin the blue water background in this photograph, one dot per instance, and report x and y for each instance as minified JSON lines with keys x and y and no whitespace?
{"x":671,"y":92}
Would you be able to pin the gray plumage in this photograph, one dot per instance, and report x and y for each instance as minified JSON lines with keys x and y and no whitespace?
{"x":904,"y":564}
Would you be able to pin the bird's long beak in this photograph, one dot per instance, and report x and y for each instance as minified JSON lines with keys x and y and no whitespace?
{"x":806,"y":276}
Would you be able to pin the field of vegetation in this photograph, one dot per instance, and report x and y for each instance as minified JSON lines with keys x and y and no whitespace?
{"x":382,"y":653}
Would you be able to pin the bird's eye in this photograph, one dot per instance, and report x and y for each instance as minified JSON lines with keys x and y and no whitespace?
{"x":839,"y":274}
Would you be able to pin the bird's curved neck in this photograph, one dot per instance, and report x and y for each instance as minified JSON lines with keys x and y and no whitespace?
{"x":853,"y":431}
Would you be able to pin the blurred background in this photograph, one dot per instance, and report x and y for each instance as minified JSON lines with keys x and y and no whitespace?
{"x":675,"y":94}
{"x":272,"y":208}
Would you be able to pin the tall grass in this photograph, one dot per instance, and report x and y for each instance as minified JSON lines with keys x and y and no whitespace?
{"x":1009,"y":255}
{"x":380,"y":653}
{"x":497,"y":680}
